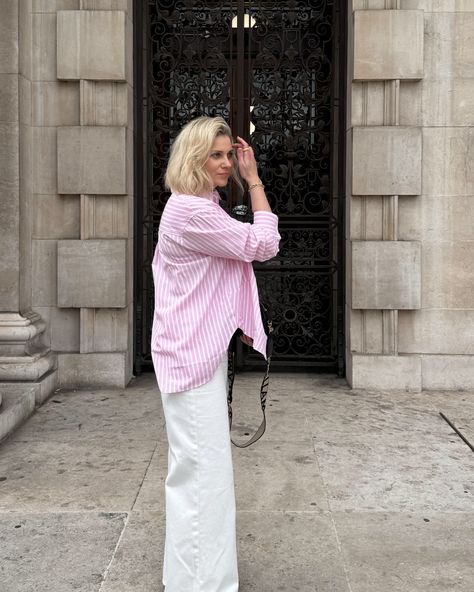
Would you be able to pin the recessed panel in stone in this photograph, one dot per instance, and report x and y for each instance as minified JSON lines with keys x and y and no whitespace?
{"x":388,"y":44}
{"x":92,"y":273}
{"x":386,"y":275}
{"x":386,"y":160}
{"x":91,"y":45}
{"x":91,"y":160}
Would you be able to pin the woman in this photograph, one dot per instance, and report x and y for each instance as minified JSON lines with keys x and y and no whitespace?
{"x":205,"y":290}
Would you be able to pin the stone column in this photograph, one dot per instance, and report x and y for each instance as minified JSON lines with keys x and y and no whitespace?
{"x":27,"y":366}
{"x":385,"y":158}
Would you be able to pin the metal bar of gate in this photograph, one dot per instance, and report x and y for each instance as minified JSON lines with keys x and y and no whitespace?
{"x":240,"y":65}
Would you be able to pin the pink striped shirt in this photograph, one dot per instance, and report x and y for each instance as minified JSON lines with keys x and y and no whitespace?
{"x":205,"y":287}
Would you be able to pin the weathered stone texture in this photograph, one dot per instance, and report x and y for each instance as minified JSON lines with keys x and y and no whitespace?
{"x":448,"y":275}
{"x":44,"y":47}
{"x":56,"y":216}
{"x":105,"y":329}
{"x":105,"y":4}
{"x":366,"y":331}
{"x":9,"y":216}
{"x":62,"y":331}
{"x":388,"y":44}
{"x":448,"y":163}
{"x":55,"y":103}
{"x":91,"y":45}
{"x":449,"y":47}
{"x":92,"y":274}
{"x":386,"y":372}
{"x":448,"y":372}
{"x":9,"y":249}
{"x":9,"y":156}
{"x":366,"y":220}
{"x":411,"y":104}
{"x":438,"y":5}
{"x":435,"y":218}
{"x":54,"y":5}
{"x":386,"y":160}
{"x":44,"y":273}
{"x":448,"y":102}
{"x":104,"y":103}
{"x":367,"y":103}
{"x":25,"y":104}
{"x":44,"y":146}
{"x":104,"y":216}
{"x":95,"y":369}
{"x":386,"y":275}
{"x":92,"y":160}
{"x":8,"y":98}
{"x":436,"y":331}
{"x":9,"y":38}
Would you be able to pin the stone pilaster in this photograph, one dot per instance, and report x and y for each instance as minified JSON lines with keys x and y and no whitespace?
{"x":384,"y":274}
{"x":94,"y":48}
{"x":27,"y":366}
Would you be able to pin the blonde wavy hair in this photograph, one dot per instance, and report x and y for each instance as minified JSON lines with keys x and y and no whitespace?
{"x":192,"y":147}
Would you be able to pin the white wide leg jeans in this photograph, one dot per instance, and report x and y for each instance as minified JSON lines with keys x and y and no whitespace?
{"x":200,"y":547}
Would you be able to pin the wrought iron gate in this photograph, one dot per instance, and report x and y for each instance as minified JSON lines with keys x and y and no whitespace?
{"x":275,"y":71}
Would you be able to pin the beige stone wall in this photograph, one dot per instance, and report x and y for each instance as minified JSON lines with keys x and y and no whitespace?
{"x":72,"y":269}
{"x":66,"y":188}
{"x":25,"y":359}
{"x":410,"y":224}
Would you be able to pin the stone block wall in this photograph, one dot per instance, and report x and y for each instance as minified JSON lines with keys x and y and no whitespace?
{"x":66,"y":190}
{"x":26,"y":360}
{"x":410,"y":211}
{"x":73,"y":265}
{"x":94,"y":160}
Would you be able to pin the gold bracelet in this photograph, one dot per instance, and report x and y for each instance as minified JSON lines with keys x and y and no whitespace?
{"x":257,"y":185}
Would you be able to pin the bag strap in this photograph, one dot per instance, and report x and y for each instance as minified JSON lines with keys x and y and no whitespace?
{"x":263,"y":391}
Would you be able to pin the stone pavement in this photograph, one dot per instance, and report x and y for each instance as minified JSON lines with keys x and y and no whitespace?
{"x":348,"y":491}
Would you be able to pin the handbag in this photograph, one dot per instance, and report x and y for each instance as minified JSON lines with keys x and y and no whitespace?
{"x":268,"y":327}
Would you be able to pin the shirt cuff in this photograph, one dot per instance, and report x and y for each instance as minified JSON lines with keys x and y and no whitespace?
{"x":267,"y":219}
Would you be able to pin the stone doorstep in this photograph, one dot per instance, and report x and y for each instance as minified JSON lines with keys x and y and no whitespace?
{"x":19,"y":400}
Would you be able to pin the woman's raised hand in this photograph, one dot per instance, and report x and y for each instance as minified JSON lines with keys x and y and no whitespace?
{"x":246,"y":159}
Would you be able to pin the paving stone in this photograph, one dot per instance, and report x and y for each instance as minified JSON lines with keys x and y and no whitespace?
{"x":283,"y":551}
{"x":294,"y":483}
{"x":137,"y":563}
{"x":56,"y":552}
{"x":422,"y":552}
{"x":283,"y":424}
{"x":336,"y":494}
{"x":91,"y":474}
{"x":404,"y":472}
{"x":359,"y":412}
{"x":152,"y":490}
{"x":113,"y":414}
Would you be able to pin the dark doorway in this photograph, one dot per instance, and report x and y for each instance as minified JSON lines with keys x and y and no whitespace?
{"x":276,"y":72}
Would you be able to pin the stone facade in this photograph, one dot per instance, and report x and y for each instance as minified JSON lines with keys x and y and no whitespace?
{"x":66,"y":185}
{"x":410,"y":215}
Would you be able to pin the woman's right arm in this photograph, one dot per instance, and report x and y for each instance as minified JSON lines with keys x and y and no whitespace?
{"x":213,"y":232}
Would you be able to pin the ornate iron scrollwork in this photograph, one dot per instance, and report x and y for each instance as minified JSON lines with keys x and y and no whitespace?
{"x":269,"y":69}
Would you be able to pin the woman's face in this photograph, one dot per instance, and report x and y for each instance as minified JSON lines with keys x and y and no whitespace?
{"x":219,"y":163}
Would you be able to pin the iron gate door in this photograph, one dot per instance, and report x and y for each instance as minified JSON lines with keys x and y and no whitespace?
{"x":274,"y":71}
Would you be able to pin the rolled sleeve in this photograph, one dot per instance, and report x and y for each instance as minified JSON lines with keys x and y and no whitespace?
{"x":268,"y":221}
{"x":214,"y":232}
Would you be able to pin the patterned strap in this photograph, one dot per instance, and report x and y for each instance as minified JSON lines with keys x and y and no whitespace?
{"x":263,"y":392}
